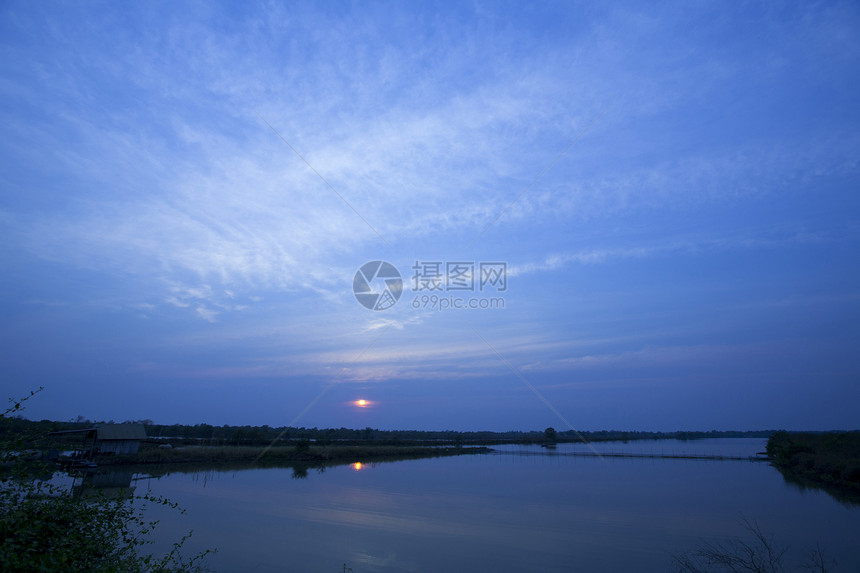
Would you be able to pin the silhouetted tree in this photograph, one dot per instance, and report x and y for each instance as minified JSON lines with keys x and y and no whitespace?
{"x":757,"y":553}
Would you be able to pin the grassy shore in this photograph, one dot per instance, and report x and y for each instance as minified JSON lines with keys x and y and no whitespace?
{"x":303,"y":453}
{"x":830,"y":461}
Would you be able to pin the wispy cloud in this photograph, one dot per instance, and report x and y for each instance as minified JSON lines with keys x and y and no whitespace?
{"x":246,"y":213}
{"x":688,"y":245}
{"x":138,"y":177}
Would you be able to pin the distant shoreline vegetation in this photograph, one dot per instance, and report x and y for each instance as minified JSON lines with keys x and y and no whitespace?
{"x":208,"y":435}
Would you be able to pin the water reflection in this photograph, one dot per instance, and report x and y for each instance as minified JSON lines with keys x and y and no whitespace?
{"x":300,"y":472}
{"x":499,"y":513}
{"x":104,"y":482}
{"x":205,"y":473}
{"x":845,"y":496}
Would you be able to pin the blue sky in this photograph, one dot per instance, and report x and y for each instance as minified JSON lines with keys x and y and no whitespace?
{"x":677,"y":184}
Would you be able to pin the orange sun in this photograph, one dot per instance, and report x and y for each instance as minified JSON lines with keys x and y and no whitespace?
{"x":362,"y":403}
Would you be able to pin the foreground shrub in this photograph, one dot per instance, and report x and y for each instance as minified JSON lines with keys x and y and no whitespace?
{"x":44,"y":527}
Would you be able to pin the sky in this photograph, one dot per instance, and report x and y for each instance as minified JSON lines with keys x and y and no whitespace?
{"x":668,"y":194}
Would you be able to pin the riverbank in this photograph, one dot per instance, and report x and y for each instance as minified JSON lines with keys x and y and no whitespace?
{"x":301,"y":453}
{"x":830,"y":461}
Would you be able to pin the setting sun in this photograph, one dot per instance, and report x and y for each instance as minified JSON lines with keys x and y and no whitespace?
{"x":362,"y":403}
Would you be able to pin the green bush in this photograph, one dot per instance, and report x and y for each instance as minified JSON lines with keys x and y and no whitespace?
{"x":44,"y":527}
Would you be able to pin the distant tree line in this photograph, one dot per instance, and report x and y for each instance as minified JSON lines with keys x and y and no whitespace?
{"x":207,"y":434}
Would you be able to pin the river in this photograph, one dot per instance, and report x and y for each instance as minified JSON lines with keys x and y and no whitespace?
{"x":522,"y":508}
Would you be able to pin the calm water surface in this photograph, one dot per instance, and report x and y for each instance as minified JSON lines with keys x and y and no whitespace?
{"x":521,"y":509}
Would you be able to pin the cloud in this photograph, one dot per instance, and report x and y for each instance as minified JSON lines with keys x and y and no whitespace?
{"x":137,"y":163}
{"x":184,"y":197}
{"x":207,"y":314}
{"x":691,"y":245}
